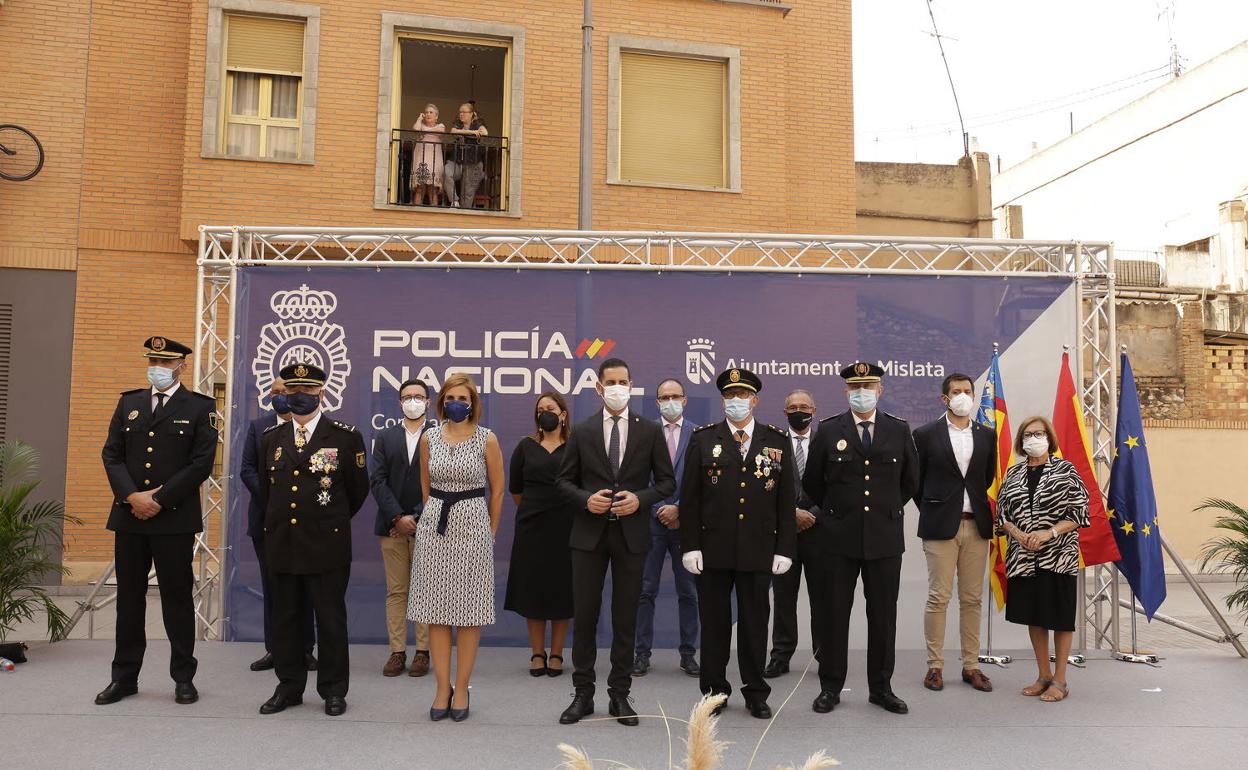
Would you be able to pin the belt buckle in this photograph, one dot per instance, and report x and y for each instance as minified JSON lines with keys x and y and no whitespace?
{"x":611,"y":516}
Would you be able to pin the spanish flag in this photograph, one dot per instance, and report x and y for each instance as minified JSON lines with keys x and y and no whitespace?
{"x":1096,"y":543}
{"x":994,"y":415}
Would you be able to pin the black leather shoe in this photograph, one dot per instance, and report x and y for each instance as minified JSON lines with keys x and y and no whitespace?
{"x":826,"y":701}
{"x":437,"y":714}
{"x":265,"y":663}
{"x":279,"y":702}
{"x":459,"y":715}
{"x":776,"y":667}
{"x":689,"y":665}
{"x":185,"y":693}
{"x":759,"y":709}
{"x":335,"y":705}
{"x":889,"y":702}
{"x":115,"y":692}
{"x":310,"y":661}
{"x":623,"y":712}
{"x":641,"y":664}
{"x":582,"y":706}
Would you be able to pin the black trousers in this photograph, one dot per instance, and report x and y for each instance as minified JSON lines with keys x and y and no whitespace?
{"x":715,"y":588}
{"x":787,"y":587}
{"x":589,"y":573}
{"x":266,"y":588}
{"x":881,"y":580}
{"x":134,"y":555}
{"x":328,"y":593}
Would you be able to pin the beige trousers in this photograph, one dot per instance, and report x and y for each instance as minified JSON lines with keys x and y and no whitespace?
{"x":396,"y":557}
{"x":967,"y":555}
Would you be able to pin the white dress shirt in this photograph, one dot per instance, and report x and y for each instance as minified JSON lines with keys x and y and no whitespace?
{"x":794,"y":436}
{"x":749,"y":433}
{"x":858,"y":421}
{"x":674,"y":429}
{"x":606,"y":431}
{"x":310,"y":425}
{"x":963,"y":447}
{"x":413,"y":440}
{"x":168,"y":394}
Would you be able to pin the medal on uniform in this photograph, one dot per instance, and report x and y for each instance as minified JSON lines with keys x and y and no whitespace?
{"x":323,"y":497}
{"x":841,"y":445}
{"x":770,"y":485}
{"x":277,"y":454}
{"x":326,"y":482}
{"x":717,"y":451}
{"x":133,"y":414}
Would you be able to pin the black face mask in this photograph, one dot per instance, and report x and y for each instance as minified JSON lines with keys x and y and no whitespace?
{"x":303,"y":403}
{"x":799,"y":420}
{"x":547,"y":421}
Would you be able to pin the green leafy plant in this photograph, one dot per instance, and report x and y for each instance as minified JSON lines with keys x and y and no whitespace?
{"x":26,"y":531}
{"x":1229,"y":553}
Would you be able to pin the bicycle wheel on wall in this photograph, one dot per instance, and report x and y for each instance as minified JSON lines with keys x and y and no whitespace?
{"x":21,"y":154}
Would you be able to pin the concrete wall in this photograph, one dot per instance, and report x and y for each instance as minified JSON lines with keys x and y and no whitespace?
{"x":925,"y":199}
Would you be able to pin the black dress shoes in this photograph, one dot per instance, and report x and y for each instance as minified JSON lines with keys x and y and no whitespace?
{"x":826,"y":701}
{"x":115,"y":692}
{"x":889,"y":702}
{"x":265,"y":663}
{"x":775,"y":667}
{"x":689,"y":665}
{"x":641,"y":664}
{"x":185,"y":693}
{"x":582,"y":706}
{"x":335,"y":705}
{"x":279,"y":702}
{"x":758,"y":709}
{"x":310,"y":661}
{"x":623,"y":712}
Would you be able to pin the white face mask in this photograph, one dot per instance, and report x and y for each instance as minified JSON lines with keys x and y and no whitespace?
{"x":962,"y":404}
{"x":615,"y":397}
{"x":672,"y":410}
{"x":414,"y":409}
{"x":737,"y":409}
{"x":1036,"y":447}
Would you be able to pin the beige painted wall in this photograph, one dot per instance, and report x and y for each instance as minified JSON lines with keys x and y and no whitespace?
{"x":925,"y":199}
{"x":1189,"y":465}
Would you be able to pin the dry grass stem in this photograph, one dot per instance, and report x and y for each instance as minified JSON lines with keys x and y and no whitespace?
{"x":574,"y":758}
{"x":704,"y":751}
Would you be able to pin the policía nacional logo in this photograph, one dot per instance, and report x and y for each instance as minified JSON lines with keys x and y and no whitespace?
{"x":700,"y":360}
{"x":303,"y":334}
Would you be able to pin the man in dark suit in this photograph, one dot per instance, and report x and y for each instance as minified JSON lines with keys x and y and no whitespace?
{"x":737,"y":505}
{"x":396,"y":488}
{"x":161,"y":445}
{"x":615,"y":465}
{"x":957,"y":464}
{"x":665,"y":541}
{"x":863,"y":467}
{"x":799,"y":410}
{"x":316,"y":481}
{"x":249,"y":472}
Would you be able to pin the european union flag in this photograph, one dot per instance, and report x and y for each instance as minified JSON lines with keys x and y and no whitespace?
{"x":1133,"y":507}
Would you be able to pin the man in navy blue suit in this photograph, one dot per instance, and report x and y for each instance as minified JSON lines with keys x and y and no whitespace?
{"x":250,"y":474}
{"x":665,"y":540}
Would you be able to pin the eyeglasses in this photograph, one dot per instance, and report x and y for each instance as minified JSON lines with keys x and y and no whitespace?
{"x":662,"y":399}
{"x":1036,"y":434}
{"x":405,"y":399}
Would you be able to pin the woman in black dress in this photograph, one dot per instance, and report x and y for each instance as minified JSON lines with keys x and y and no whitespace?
{"x":539,"y":585}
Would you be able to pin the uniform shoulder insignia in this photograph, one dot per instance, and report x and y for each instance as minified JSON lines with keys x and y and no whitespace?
{"x":274,"y":427}
{"x":705,"y":427}
{"x":131,"y":392}
{"x":893,"y":417}
{"x":774,"y":428}
{"x":344,"y":426}
{"x":203,"y":396}
{"x":830,"y":419}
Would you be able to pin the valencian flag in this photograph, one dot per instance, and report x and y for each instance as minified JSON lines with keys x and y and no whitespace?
{"x":1096,"y":543}
{"x":993,"y":415}
{"x":1132,"y":505}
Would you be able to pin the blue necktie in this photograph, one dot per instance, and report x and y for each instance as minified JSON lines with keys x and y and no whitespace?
{"x":613,"y":446}
{"x":866,"y":435}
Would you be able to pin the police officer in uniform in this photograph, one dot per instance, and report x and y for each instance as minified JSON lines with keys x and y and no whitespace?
{"x":314,"y":482}
{"x":160,"y":448}
{"x":863,"y":467}
{"x":737,"y":529}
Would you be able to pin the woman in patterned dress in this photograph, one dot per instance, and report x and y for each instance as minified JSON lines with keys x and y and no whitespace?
{"x":1041,"y":506}
{"x":453,"y":564}
{"x":427,"y":157}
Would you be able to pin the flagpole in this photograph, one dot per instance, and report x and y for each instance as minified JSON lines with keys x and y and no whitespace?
{"x":988,"y":658}
{"x":1135,"y":656}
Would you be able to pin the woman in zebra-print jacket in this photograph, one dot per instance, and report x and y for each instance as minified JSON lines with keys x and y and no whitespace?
{"x":1041,"y":506}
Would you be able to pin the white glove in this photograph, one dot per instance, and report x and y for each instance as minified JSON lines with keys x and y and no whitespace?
{"x":780,"y":564}
{"x":692,"y":562}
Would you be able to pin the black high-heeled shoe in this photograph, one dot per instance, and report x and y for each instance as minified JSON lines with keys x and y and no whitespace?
{"x":538,"y":671}
{"x":554,"y":671}
{"x":459,"y":715}
{"x":437,"y":714}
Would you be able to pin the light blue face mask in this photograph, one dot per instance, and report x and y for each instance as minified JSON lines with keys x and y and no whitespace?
{"x":737,"y":409}
{"x":160,"y":377}
{"x":863,"y":401}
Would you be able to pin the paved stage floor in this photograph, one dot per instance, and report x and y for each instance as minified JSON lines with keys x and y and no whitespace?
{"x":1188,"y":712}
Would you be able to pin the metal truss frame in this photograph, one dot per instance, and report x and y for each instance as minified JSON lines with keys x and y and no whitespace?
{"x":222,"y":250}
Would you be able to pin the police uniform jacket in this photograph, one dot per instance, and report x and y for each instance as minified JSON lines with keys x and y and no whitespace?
{"x":174,"y":450}
{"x":738,"y":513}
{"x":311,"y":496}
{"x":863,"y":493}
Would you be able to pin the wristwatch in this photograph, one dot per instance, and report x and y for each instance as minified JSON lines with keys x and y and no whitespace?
{"x":1053,"y":532}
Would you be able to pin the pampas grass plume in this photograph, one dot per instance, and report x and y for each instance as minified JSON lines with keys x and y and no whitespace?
{"x":705,"y":752}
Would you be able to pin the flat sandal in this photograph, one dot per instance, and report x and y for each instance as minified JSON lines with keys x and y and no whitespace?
{"x":1063,"y":689}
{"x":1043,"y":686}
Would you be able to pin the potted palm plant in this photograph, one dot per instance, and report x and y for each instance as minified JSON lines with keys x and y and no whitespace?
{"x":27,"y":530}
{"x":1229,"y":553}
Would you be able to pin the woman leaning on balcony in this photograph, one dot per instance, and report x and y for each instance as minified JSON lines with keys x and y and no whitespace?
{"x":427,"y":158}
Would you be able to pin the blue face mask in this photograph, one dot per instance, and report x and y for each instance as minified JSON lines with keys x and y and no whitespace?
{"x":303,"y":404}
{"x":160,"y":377}
{"x":863,"y":401}
{"x":280,"y":404}
{"x":737,"y":409}
{"x":457,"y":411}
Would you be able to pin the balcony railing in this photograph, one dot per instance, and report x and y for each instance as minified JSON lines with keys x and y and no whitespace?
{"x":443,"y":170}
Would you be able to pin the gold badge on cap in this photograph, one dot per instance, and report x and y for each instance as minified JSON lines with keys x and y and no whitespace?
{"x":861,"y":369}
{"x":301,"y":371}
{"x":842,"y":445}
{"x":734,"y":375}
{"x":133,"y":414}
{"x":158,"y":344}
